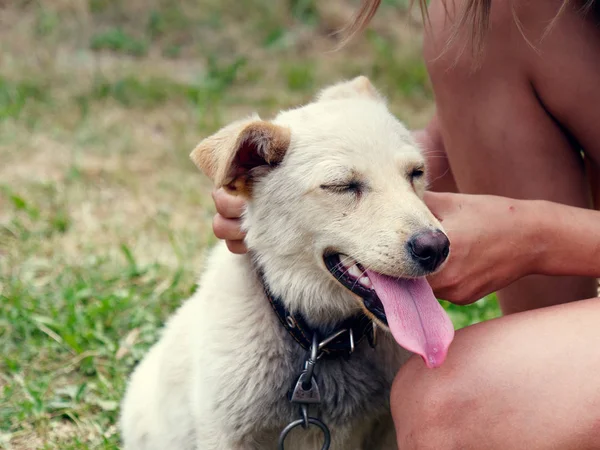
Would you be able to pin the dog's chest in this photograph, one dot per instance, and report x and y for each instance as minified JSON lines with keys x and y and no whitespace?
{"x":356,"y":389}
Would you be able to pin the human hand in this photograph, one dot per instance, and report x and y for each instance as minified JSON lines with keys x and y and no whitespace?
{"x":227,"y":222}
{"x":493,"y":242}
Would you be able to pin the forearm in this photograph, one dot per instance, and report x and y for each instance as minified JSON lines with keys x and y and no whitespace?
{"x":568,"y":239}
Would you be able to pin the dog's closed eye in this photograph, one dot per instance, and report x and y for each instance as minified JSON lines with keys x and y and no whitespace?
{"x":416,"y":173}
{"x":355,"y":187}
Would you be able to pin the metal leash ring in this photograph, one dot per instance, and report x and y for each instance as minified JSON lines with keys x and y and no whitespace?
{"x":300,"y":423}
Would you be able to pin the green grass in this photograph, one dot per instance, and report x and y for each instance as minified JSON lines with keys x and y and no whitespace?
{"x":104,"y":221}
{"x":17,"y":95}
{"x":65,"y":347}
{"x":118,"y":40}
{"x":299,"y":76}
{"x":462,"y":316}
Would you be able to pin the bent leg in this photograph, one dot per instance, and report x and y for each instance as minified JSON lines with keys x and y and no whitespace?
{"x":594,"y":177}
{"x":524,"y":381}
{"x":500,"y":138}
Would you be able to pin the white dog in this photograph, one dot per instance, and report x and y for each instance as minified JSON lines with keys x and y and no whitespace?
{"x":339,"y":242}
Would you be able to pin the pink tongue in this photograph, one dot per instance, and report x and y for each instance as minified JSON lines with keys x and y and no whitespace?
{"x":416,"y":319}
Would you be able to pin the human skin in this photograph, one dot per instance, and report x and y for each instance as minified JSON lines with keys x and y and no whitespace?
{"x":523,"y":381}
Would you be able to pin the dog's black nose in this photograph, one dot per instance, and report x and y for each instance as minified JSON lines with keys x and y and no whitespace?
{"x":430,"y":249}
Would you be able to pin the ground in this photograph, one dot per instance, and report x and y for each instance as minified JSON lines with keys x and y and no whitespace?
{"x":104,"y":221}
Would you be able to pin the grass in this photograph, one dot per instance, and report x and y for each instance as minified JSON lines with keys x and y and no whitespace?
{"x":104,"y":221}
{"x":17,"y":95}
{"x":117,"y":40}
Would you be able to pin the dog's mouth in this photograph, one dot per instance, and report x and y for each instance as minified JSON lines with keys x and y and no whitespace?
{"x":407,"y":306}
{"x":353,"y":276}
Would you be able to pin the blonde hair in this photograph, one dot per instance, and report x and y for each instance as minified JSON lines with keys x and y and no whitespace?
{"x":474,"y":18}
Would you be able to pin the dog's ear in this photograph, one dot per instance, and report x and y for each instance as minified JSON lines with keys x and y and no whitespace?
{"x":358,"y":87}
{"x":236,"y":154}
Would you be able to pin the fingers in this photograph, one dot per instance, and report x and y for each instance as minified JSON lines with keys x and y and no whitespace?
{"x":437,"y":204}
{"x":237,"y":247}
{"x":228,"y":229}
{"x":435,"y":200}
{"x":460,"y":291}
{"x":226,"y":223}
{"x":228,"y":206}
{"x":445,"y":204}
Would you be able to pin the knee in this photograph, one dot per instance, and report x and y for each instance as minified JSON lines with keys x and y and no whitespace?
{"x":427,"y":407}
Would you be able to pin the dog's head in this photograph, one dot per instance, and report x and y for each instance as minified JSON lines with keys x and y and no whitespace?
{"x":334,"y":205}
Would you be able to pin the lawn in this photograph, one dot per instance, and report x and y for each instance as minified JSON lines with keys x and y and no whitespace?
{"x":104,"y":221}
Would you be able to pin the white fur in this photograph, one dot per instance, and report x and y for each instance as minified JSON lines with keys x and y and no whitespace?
{"x":219,"y":375}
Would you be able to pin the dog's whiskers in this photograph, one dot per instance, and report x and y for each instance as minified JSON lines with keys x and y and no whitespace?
{"x":341,"y":263}
{"x":358,"y":279}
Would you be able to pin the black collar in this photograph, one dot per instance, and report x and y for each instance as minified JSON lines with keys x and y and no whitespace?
{"x":357,"y":328}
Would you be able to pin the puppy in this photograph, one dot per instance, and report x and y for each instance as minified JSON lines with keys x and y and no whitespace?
{"x":310,"y":327}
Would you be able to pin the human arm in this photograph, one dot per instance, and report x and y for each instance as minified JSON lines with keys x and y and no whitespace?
{"x":571,"y":243}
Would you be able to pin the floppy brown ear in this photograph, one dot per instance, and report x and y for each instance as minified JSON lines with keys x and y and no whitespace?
{"x":357,"y":87}
{"x":231,"y":156}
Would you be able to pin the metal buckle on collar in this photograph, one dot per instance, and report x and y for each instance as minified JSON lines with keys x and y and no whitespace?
{"x":306,"y":390}
{"x":323,"y":344}
{"x":305,"y":422}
